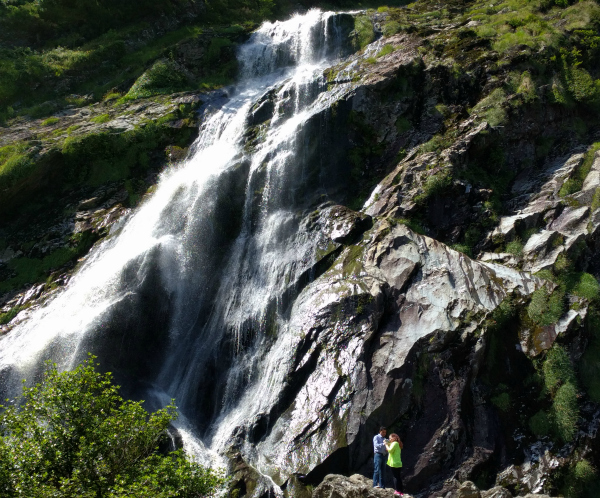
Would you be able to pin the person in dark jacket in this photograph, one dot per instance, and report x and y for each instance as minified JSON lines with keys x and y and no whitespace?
{"x":379,"y":458}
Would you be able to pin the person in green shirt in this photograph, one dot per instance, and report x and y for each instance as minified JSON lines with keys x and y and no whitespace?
{"x":394,"y":447}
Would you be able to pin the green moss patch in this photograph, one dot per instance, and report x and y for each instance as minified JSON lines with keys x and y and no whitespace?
{"x":363,"y":31}
{"x":16,"y":162}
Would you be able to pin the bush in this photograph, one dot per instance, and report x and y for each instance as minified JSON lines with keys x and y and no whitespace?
{"x":571,"y":186}
{"x":557,"y":369}
{"x":540,"y":423}
{"x":526,"y":87}
{"x":490,"y":108}
{"x":545,"y":308}
{"x":75,"y":436}
{"x":15,"y":163}
{"x":391,"y":28}
{"x":515,"y":247}
{"x":434,"y":185}
{"x":50,"y":121}
{"x":581,"y":85}
{"x":101,"y":118}
{"x":163,"y":77}
{"x":584,"y":471}
{"x":566,"y":411}
{"x":403,"y":124}
{"x":586,"y":286}
{"x":502,"y":401}
{"x":363,"y":31}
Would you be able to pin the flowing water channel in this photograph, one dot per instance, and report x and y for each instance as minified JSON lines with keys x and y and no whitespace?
{"x":185,"y":300}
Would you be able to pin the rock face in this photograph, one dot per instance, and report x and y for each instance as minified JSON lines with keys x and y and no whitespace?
{"x":360,"y":329}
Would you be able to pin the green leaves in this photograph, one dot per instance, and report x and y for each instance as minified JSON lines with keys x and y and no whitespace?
{"x":74,"y":436}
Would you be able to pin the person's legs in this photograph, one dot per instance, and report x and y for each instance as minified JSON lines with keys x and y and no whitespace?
{"x":377,"y":464}
{"x":396,"y":472}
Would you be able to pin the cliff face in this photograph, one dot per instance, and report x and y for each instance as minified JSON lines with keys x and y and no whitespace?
{"x":435,"y":270}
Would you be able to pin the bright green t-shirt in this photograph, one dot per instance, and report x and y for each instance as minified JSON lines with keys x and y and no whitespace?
{"x":394,"y":455}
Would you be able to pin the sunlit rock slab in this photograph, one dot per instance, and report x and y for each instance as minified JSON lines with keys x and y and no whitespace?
{"x":356,"y":325}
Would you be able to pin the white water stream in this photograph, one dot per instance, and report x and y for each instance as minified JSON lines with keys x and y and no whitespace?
{"x":210,"y":309}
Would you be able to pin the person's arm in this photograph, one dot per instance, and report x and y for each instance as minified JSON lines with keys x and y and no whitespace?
{"x":378,"y":445}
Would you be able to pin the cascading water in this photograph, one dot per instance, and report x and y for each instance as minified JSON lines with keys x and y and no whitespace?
{"x":187,"y":300}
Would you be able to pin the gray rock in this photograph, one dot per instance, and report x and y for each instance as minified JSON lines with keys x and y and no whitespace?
{"x":571,"y":220}
{"x":356,"y":486}
{"x":496,"y":492}
{"x":507,"y":225}
{"x":541,"y":250}
{"x":342,"y":224}
{"x":468,"y":490}
{"x":435,"y":287}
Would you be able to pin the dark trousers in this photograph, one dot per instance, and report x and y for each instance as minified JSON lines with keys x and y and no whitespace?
{"x":379,"y":469}
{"x":397,"y":479}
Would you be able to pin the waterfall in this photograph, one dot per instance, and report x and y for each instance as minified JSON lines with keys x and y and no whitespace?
{"x":190,"y":297}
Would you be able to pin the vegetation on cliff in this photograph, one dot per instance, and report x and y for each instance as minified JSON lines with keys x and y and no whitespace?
{"x":74,"y":435}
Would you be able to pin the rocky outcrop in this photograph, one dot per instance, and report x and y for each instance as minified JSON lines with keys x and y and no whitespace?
{"x":358,"y":486}
{"x":360,"y":329}
{"x":355,"y":486}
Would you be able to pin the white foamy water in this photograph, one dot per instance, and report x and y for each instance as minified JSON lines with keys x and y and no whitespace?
{"x":221,"y":301}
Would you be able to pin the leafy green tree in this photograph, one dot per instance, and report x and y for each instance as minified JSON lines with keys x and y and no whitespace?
{"x":75,"y":436}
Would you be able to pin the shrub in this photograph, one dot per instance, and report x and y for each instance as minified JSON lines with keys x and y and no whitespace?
{"x":557,"y":369}
{"x":413,"y":224}
{"x":596,"y":200}
{"x":163,"y":77}
{"x":490,"y":108}
{"x":436,"y":184}
{"x":363,"y":31}
{"x":515,"y":247}
{"x":584,"y":471}
{"x":214,"y":52}
{"x":502,"y":401}
{"x":391,"y":28}
{"x":546,"y":308}
{"x":403,"y":124}
{"x":75,"y":436}
{"x":101,"y":118}
{"x":540,"y":423}
{"x":565,"y":411}
{"x":385,"y":50}
{"x":589,"y":366}
{"x":465,"y":249}
{"x":526,"y":87}
{"x":587,"y":286}
{"x":50,"y":121}
{"x":16,"y":162}
{"x":571,"y":186}
{"x":581,"y":85}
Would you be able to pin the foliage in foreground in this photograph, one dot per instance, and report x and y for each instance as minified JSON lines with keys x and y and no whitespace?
{"x":75,"y":436}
